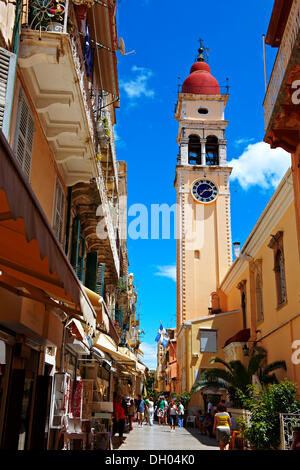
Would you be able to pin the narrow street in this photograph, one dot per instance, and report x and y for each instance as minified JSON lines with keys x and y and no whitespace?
{"x":160,"y":438}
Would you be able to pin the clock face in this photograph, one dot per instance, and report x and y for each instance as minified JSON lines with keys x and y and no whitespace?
{"x":204,"y":191}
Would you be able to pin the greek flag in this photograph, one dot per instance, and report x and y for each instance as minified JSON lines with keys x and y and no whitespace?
{"x":162,"y":336}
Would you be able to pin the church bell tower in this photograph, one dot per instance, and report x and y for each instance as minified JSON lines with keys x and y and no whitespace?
{"x":203,"y":198}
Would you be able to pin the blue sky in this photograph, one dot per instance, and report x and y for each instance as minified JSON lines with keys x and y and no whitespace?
{"x":164,"y":35}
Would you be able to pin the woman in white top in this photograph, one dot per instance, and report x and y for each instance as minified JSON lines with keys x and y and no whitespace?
{"x":151,"y":411}
{"x":173,"y":413}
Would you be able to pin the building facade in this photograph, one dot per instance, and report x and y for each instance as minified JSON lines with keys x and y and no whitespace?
{"x":224,"y":309}
{"x":67,"y":300}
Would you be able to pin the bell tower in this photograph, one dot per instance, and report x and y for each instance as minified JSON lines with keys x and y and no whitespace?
{"x":203,"y":197}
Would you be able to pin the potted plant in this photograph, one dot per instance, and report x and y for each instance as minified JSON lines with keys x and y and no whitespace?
{"x":57,"y":19}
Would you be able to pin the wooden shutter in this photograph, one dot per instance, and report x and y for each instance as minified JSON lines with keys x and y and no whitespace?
{"x":24,"y":135}
{"x":59,"y":209}
{"x":75,"y":241}
{"x":91,"y":270}
{"x":100,"y":279}
{"x":7,"y":79}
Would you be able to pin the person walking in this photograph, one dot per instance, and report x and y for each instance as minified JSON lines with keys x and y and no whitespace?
{"x":147,"y":410}
{"x":151,"y":411}
{"x":161,"y":411}
{"x":131,"y":412}
{"x":180,"y":410}
{"x":222,"y":427}
{"x":120,"y":417}
{"x":172,"y":415}
{"x":166,"y":411}
{"x":141,"y":410}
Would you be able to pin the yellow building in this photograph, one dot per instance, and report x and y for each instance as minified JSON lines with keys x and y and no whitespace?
{"x":226,"y":309}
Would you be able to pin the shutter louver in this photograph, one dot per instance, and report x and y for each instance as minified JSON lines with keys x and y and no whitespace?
{"x":100,"y":279}
{"x":24,"y":135}
{"x":7,"y":78}
{"x":59,"y":208}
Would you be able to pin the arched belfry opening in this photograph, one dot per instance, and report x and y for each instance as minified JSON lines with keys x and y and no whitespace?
{"x":212,"y":150}
{"x":194,"y":150}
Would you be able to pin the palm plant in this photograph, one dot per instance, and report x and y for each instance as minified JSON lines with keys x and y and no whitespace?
{"x":236,"y":377}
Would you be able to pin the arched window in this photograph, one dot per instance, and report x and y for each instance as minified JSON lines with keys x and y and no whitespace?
{"x":280,"y":277}
{"x":259,"y":297}
{"x":194,"y":150}
{"x":212,"y":150}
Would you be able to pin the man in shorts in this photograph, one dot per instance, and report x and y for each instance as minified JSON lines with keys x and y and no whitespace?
{"x":161,"y":411}
{"x":140,"y":410}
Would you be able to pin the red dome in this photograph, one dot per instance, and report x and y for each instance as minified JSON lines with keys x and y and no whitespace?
{"x":200,"y":81}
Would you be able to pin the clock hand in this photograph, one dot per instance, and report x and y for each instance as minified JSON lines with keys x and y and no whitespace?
{"x":205,"y":191}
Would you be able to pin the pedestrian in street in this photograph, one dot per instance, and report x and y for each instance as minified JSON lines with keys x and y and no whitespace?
{"x":222,"y":427}
{"x":140,"y":410}
{"x":210,"y":408}
{"x":161,"y":411}
{"x":151,"y":411}
{"x":131,"y":413}
{"x":146,"y":410}
{"x":208,"y":424}
{"x":172,"y":416}
{"x":120,"y":417}
{"x":180,"y":410}
{"x":166,"y":411}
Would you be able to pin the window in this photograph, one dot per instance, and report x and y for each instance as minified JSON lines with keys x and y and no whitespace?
{"x":259,"y":297}
{"x":212,"y":150}
{"x":24,"y":135}
{"x":59,"y":209}
{"x":242,"y":288}
{"x":276,"y":244}
{"x":280,"y":277}
{"x":78,"y":250}
{"x":208,"y":340}
{"x":194,"y":150}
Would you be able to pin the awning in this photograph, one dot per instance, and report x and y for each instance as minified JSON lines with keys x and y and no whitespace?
{"x":30,"y":255}
{"x":99,"y":306}
{"x":106,"y":344}
{"x":241,"y":336}
{"x":103,"y":32}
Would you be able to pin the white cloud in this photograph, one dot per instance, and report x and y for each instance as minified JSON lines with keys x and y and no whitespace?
{"x":259,"y":165}
{"x":243,"y":141}
{"x":138,"y":86}
{"x":119,"y":142}
{"x":150,"y":355}
{"x":167,"y":271}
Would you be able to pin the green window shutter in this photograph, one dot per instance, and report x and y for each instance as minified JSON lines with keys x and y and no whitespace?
{"x":7,"y":78}
{"x":24,"y":135}
{"x":59,"y":209}
{"x":81,"y":259}
{"x":100,"y":279}
{"x":91,"y":270}
{"x":75,"y":241}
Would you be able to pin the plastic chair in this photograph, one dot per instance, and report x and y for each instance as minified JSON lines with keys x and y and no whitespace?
{"x":191,"y":419}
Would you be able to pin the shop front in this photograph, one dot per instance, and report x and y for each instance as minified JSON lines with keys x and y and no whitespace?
{"x":39,"y":294}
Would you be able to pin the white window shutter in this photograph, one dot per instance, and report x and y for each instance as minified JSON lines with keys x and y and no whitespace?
{"x":24,"y":135}
{"x":7,"y":79}
{"x":208,"y":341}
{"x":59,"y":208}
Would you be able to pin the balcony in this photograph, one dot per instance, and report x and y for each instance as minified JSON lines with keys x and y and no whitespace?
{"x":281,"y":112}
{"x":54,"y":70}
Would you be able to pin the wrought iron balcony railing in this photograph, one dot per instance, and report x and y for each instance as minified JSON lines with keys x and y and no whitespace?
{"x":283,"y":57}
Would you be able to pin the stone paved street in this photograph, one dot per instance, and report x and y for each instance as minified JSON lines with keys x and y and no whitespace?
{"x":160,"y":438}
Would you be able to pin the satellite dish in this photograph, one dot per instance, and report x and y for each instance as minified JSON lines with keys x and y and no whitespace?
{"x":122,"y":47}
